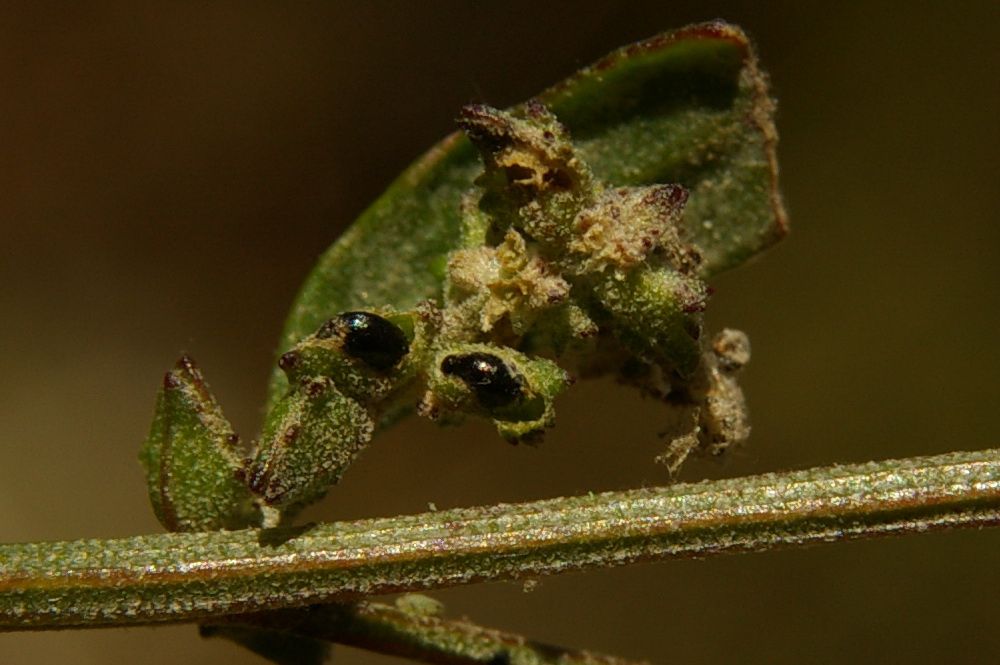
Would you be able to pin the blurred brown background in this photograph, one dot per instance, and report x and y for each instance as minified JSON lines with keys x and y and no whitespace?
{"x":169,"y":172}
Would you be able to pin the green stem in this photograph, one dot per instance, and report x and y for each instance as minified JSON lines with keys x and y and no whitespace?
{"x":191,"y":576}
{"x":426,"y":638}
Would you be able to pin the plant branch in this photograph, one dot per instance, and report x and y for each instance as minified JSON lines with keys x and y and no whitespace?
{"x":411,"y":633}
{"x":192,"y":576}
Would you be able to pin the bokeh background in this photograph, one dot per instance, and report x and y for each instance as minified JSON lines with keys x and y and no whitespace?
{"x":170,"y":171}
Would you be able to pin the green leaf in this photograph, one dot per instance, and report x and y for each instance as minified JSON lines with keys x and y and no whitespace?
{"x":688,"y":107}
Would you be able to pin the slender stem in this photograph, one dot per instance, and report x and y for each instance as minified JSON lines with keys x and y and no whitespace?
{"x":190,"y":576}
{"x":417,"y":635}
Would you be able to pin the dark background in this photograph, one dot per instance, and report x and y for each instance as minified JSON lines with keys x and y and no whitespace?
{"x":168,"y":174}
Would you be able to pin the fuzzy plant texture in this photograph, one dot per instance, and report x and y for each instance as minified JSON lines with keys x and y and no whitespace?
{"x":565,"y":238}
{"x":569,"y":237}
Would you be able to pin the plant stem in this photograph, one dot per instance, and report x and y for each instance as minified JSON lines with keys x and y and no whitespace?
{"x":191,"y":576}
{"x":423,"y":637}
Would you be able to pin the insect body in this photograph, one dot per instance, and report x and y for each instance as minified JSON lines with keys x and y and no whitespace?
{"x":372,"y":339}
{"x":488,"y":376}
{"x":557,"y":273}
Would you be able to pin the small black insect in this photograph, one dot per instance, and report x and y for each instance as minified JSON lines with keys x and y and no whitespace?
{"x":370,"y":338}
{"x":487,"y":375}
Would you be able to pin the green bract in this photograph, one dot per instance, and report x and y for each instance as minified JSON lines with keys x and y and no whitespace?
{"x":193,"y":459}
{"x":567,"y":237}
